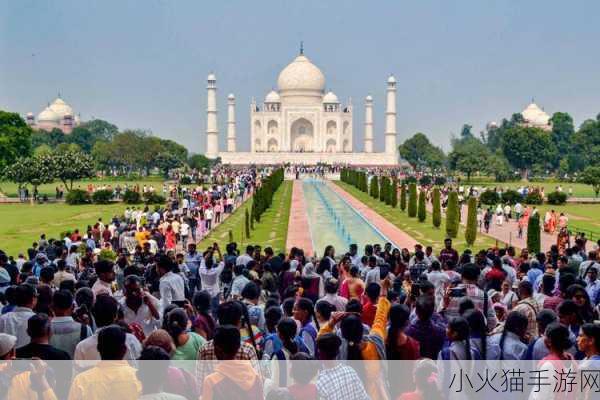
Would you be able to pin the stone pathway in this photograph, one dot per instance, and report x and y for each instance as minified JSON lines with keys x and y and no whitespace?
{"x":391,"y":231}
{"x":298,"y":228}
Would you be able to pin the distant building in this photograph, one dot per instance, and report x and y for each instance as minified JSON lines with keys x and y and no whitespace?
{"x":536,"y":117}
{"x":57,"y":115}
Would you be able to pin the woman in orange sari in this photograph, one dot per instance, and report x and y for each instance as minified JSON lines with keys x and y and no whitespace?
{"x":352,"y":287}
{"x":552,"y":223}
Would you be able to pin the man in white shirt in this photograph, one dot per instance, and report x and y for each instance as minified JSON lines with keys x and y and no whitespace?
{"x":244,"y":259}
{"x":15,"y":322}
{"x":171,"y":286}
{"x":106,"y":276}
{"x":139,"y":306}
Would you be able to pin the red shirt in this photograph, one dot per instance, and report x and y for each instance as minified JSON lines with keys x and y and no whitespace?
{"x":368,"y":312}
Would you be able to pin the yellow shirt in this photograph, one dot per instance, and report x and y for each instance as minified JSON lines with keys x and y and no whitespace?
{"x":20,"y":389}
{"x":114,"y":380}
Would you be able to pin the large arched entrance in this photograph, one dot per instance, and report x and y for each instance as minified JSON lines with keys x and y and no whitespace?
{"x":302,"y":135}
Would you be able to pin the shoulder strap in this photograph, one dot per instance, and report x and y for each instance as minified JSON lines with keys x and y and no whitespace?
{"x":83,"y":332}
{"x":282,"y":364}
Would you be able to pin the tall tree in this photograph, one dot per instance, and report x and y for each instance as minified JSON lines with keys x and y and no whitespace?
{"x":374,"y":187}
{"x":533,"y":234}
{"x":403,"y":197}
{"x":562,"y":131}
{"x":468,"y":156}
{"x":525,"y":146}
{"x":452,"y":215}
{"x":15,"y":138}
{"x":591,"y":176}
{"x":72,"y":166}
{"x":436,"y":217}
{"x":412,"y":200}
{"x":100,"y":129}
{"x":586,"y":145}
{"x":471,"y":229}
{"x":167,"y":161}
{"x":394,"y":193}
{"x":35,"y":171}
{"x":420,"y":153}
{"x":422,"y":211}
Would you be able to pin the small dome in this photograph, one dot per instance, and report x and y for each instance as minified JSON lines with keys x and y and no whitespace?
{"x":301,"y":74}
{"x":61,"y":108}
{"x":369,"y":98}
{"x":47,"y":115}
{"x":391,"y":79}
{"x":272,"y":97}
{"x":330,"y":97}
{"x":211,"y":77}
{"x":535,"y":115}
{"x":30,"y":114}
{"x":231,"y":96}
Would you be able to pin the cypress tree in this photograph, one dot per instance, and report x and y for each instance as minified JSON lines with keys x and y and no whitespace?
{"x":422,"y":211}
{"x":383,"y":189}
{"x":394,"y":194}
{"x":247,"y":224}
{"x":452,"y":217}
{"x":251,"y":218}
{"x":533,"y":234}
{"x":403,"y":197}
{"x":471,"y":230}
{"x":436,"y":217}
{"x":374,"y":187}
{"x":412,"y":200}
{"x":230,"y":236}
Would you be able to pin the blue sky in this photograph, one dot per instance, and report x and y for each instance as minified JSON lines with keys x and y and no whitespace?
{"x":143,"y":64}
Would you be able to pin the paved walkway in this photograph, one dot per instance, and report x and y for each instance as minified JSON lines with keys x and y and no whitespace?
{"x":391,"y":231}
{"x":298,"y":228}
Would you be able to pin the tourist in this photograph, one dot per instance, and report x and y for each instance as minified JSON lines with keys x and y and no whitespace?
{"x":15,"y":322}
{"x":139,"y":306}
{"x":171,"y":285}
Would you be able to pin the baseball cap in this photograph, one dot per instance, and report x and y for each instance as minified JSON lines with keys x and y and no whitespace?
{"x":7,"y":343}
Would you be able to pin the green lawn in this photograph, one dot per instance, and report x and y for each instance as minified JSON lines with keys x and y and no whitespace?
{"x":579,"y":189}
{"x":11,"y":189}
{"x":271,"y":231}
{"x":423,"y":232}
{"x":582,"y":217}
{"x":21,"y":224}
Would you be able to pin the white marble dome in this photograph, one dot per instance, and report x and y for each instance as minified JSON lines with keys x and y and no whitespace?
{"x":47,"y":115}
{"x":272,"y":97}
{"x":60,"y":108}
{"x":535,"y":115}
{"x":330,"y":97}
{"x":301,"y":74}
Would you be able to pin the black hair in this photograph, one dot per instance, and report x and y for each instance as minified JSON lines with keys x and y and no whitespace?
{"x":286,"y":329}
{"x":354,"y":306}
{"x":424,"y":370}
{"x":229,"y":313}
{"x":303,"y":372}
{"x":288,"y":306}
{"x":251,"y":291}
{"x":592,"y":331}
{"x":328,"y":346}
{"x":227,"y":339}
{"x":544,"y":318}
{"x":585,"y":312}
{"x":465,"y":304}
{"x":470,"y":272}
{"x":246,"y":321}
{"x":105,"y":310}
{"x":103,"y":266}
{"x":373,"y":290}
{"x":478,"y":325}
{"x":24,"y":295}
{"x":325,"y":308}
{"x":273,"y":315}
{"x":515,"y":323}
{"x":306,"y":304}
{"x":398,"y":317}
{"x":548,"y":283}
{"x":176,"y":324}
{"x":164,"y":262}
{"x":558,"y":335}
{"x":38,"y":326}
{"x":280,"y":393}
{"x":565,"y":280}
{"x":461,"y":328}
{"x":111,"y":342}
{"x":47,"y":274}
{"x":424,"y":307}
{"x":435,"y":266}
{"x":152,"y":375}
{"x":62,"y":300}
{"x":331,"y":286}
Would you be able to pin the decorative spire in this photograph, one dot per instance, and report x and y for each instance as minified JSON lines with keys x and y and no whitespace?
{"x":301,"y":47}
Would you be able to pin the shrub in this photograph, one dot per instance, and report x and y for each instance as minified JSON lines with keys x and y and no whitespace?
{"x":439,"y":181}
{"x":452,"y":215}
{"x":185,"y":180}
{"x":412,"y":200}
{"x":247,"y":224}
{"x":230,"y":236}
{"x":422,"y":211}
{"x":557,"y":198}
{"x":107,"y":254}
{"x":403,"y":197}
{"x":533,"y":234}
{"x":383,"y":189}
{"x":436,"y":217}
{"x":374,"y":187}
{"x":77,"y":196}
{"x":471,"y":230}
{"x":102,"y":196}
{"x":132,"y":197}
{"x":394,"y":194}
{"x":425,"y":180}
{"x":489,"y":197}
{"x":511,"y":197}
{"x":534,"y":198}
{"x":409,"y":179}
{"x":154,"y":198}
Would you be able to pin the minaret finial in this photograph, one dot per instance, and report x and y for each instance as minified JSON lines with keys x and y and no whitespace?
{"x":301,"y":47}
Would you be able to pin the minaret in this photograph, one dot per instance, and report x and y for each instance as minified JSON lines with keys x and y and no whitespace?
{"x":231,"y":123}
{"x":368,"y":124}
{"x":390,"y":117}
{"x":212,"y":131}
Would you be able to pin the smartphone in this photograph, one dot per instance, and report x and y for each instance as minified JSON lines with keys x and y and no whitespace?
{"x":458,"y":292}
{"x":179,"y":303}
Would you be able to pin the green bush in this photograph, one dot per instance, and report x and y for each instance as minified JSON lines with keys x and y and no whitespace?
{"x":489,"y":198}
{"x":107,"y":254}
{"x":511,"y":197}
{"x":409,"y":179}
{"x":412,"y":200}
{"x":394,"y":194}
{"x":533,"y":234}
{"x":425,"y":180}
{"x":154,"y":198}
{"x":132,"y":197}
{"x":374,"y":187}
{"x":557,"y":198}
{"x":534,"y":198}
{"x":77,"y":196}
{"x":422,"y":211}
{"x":102,"y":196}
{"x":452,"y":215}
{"x":247,"y":224}
{"x":436,"y":217}
{"x":185,"y":180}
{"x":383,"y":189}
{"x":403,"y":197}
{"x":439,"y":181}
{"x":471,"y":230}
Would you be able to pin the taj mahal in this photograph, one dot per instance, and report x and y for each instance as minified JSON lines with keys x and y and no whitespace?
{"x":301,"y":124}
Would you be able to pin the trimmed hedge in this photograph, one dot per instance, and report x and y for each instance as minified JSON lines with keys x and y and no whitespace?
{"x":489,"y":198}
{"x":533,"y":234}
{"x":425,"y":180}
{"x":102,"y":196}
{"x":77,"y":196}
{"x":452,"y":215}
{"x":412,"y":200}
{"x":511,"y":197}
{"x":471,"y":230}
{"x":403,"y":197}
{"x":422,"y":211}
{"x":557,"y":198}
{"x":132,"y":197}
{"x":154,"y":198}
{"x":436,"y":217}
{"x":534,"y":198}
